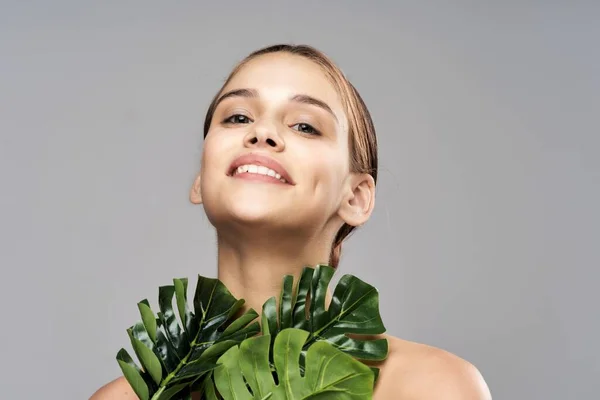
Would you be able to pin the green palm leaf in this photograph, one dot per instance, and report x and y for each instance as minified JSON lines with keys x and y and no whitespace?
{"x":245,"y":372}
{"x":354,"y":309}
{"x":176,"y":358}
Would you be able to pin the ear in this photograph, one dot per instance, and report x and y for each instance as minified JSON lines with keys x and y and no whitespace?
{"x":357,"y":207}
{"x":195,"y":196}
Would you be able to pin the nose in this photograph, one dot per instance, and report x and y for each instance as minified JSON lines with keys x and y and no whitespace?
{"x":264,"y":135}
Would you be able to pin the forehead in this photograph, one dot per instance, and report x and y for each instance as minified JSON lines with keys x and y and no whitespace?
{"x":279,"y":76}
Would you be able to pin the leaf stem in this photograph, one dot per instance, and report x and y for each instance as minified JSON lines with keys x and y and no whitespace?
{"x":182,"y":363}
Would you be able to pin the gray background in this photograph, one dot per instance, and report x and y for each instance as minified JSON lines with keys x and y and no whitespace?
{"x":485,"y":236}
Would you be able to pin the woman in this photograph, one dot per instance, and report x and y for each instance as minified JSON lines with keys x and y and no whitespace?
{"x":288,"y":170}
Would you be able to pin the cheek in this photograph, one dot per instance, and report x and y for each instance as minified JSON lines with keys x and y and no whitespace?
{"x":331,"y":164}
{"x":329,"y":182}
{"x":326,"y":168}
{"x":213,"y":163}
{"x":215,"y":151}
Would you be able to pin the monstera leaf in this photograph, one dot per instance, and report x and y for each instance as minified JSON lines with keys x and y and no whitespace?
{"x":177,"y":358}
{"x":354,"y":309}
{"x":245,"y":373}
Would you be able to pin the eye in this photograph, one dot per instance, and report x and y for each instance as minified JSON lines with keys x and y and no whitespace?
{"x":305,"y":128}
{"x":237,"y":119}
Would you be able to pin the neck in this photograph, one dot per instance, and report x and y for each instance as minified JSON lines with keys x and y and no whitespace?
{"x":253,"y":269}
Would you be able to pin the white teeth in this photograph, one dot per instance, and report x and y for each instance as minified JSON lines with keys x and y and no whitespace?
{"x":258,"y":169}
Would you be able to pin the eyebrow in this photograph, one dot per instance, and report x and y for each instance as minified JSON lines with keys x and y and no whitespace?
{"x":249,"y":93}
{"x":299,"y":98}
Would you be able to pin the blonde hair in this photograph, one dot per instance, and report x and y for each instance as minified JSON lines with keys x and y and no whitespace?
{"x":361,"y":131}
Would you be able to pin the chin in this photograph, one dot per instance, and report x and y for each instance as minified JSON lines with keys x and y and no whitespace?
{"x":254,"y":213}
{"x":245,"y":212}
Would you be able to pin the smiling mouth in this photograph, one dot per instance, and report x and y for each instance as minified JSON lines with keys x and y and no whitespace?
{"x":260,"y":167}
{"x":258,"y":172}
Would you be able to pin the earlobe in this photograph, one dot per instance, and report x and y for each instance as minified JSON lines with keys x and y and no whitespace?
{"x":195,"y":194}
{"x":358,"y":206}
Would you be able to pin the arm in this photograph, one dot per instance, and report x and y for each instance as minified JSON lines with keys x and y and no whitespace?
{"x":448,"y":377}
{"x":464,"y":382}
{"x":119,"y":389}
{"x":427,"y":373}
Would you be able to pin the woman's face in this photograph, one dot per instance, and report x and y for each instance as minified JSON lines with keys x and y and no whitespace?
{"x":279,"y":115}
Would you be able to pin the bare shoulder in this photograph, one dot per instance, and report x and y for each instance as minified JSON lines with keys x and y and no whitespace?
{"x":415,"y":371}
{"x":412,"y":371}
{"x":118,"y":389}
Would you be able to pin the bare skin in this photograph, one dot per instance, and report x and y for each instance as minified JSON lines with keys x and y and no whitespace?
{"x":267,"y":229}
{"x":412,"y":371}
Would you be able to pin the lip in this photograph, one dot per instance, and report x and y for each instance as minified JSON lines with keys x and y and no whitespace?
{"x":259,"y":159}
